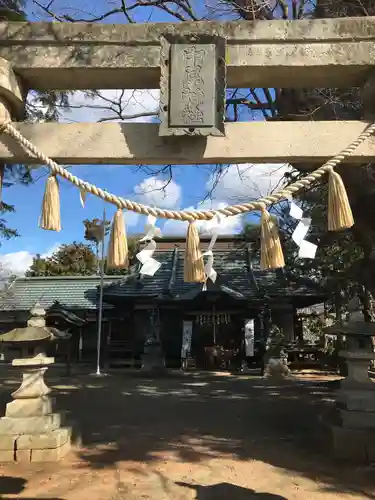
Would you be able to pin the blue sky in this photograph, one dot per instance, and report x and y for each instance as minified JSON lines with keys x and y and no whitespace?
{"x":188,"y":188}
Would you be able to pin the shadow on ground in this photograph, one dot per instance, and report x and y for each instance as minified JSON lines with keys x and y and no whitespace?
{"x":224,"y":491}
{"x":191,"y":418}
{"x":14,"y":486}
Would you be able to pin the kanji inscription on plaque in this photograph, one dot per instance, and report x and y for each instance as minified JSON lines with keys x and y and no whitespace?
{"x":192,"y":85}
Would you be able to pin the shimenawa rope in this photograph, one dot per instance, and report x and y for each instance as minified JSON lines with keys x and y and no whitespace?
{"x":187,"y":215}
{"x":339,"y":211}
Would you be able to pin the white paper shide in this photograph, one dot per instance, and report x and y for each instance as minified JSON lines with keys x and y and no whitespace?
{"x":149,"y":265}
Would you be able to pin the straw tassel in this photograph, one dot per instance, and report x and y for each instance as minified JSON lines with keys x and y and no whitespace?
{"x":194,"y":265}
{"x":117,"y":255}
{"x":270,"y":249}
{"x":339,"y":212}
{"x":50,"y":216}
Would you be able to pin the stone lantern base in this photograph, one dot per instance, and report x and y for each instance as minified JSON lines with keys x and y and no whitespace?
{"x":30,"y":430}
{"x":153,"y":360}
{"x":353,"y":425}
{"x":356,"y":445}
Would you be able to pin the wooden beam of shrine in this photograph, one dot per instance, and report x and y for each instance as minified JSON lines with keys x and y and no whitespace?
{"x":309,"y":53}
{"x":139,"y":143}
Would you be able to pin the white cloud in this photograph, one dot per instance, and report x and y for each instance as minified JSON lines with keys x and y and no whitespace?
{"x":17,"y":263}
{"x":246,"y":182}
{"x":110,"y":102}
{"x":230,"y":225}
{"x":238,"y":183}
{"x":158,"y":193}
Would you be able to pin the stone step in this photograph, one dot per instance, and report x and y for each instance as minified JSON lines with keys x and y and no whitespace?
{"x":363,"y":400}
{"x":352,"y":444}
{"x":50,"y":440}
{"x":31,"y":425}
{"x":357,"y":419}
{"x":24,"y":408}
{"x":46,"y":447}
{"x":49,"y":454}
{"x":7,"y":442}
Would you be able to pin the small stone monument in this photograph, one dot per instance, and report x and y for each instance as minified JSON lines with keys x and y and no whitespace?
{"x":353,"y":423}
{"x":30,"y":430}
{"x":153,"y":360}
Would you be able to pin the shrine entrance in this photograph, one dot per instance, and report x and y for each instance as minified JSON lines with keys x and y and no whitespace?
{"x":216,"y":341}
{"x":218,"y":330}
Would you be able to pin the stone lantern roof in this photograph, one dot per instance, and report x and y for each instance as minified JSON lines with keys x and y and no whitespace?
{"x":35,"y":331}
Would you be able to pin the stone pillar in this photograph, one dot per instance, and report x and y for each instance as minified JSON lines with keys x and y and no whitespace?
{"x":12,"y":104}
{"x":30,"y":431}
{"x":353,"y":428}
{"x":153,"y":360}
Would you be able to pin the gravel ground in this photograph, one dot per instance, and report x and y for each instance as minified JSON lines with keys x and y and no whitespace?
{"x":197,"y":436}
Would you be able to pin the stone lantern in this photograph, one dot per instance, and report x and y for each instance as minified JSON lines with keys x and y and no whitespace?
{"x":353,"y":426}
{"x":30,"y":431}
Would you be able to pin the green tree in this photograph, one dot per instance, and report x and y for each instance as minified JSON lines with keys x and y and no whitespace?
{"x":337,"y":255}
{"x":12,"y":10}
{"x":74,"y":259}
{"x":94,"y":230}
{"x":94,"y":234}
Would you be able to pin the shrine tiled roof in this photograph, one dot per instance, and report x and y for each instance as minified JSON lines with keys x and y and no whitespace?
{"x":71,"y":292}
{"x":237,"y":276}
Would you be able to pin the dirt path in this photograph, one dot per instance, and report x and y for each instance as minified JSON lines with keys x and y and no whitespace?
{"x":199,"y":437}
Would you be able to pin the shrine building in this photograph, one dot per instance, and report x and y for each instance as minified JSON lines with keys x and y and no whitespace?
{"x":136,"y":306}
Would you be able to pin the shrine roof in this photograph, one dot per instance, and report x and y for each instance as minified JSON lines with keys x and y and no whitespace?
{"x":71,"y":292}
{"x":238,"y":276}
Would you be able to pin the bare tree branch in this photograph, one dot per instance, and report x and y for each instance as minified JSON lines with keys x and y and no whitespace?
{"x":130,"y":117}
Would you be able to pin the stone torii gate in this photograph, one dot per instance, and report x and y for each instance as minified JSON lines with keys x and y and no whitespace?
{"x":189,"y":62}
{"x":192,"y":63}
